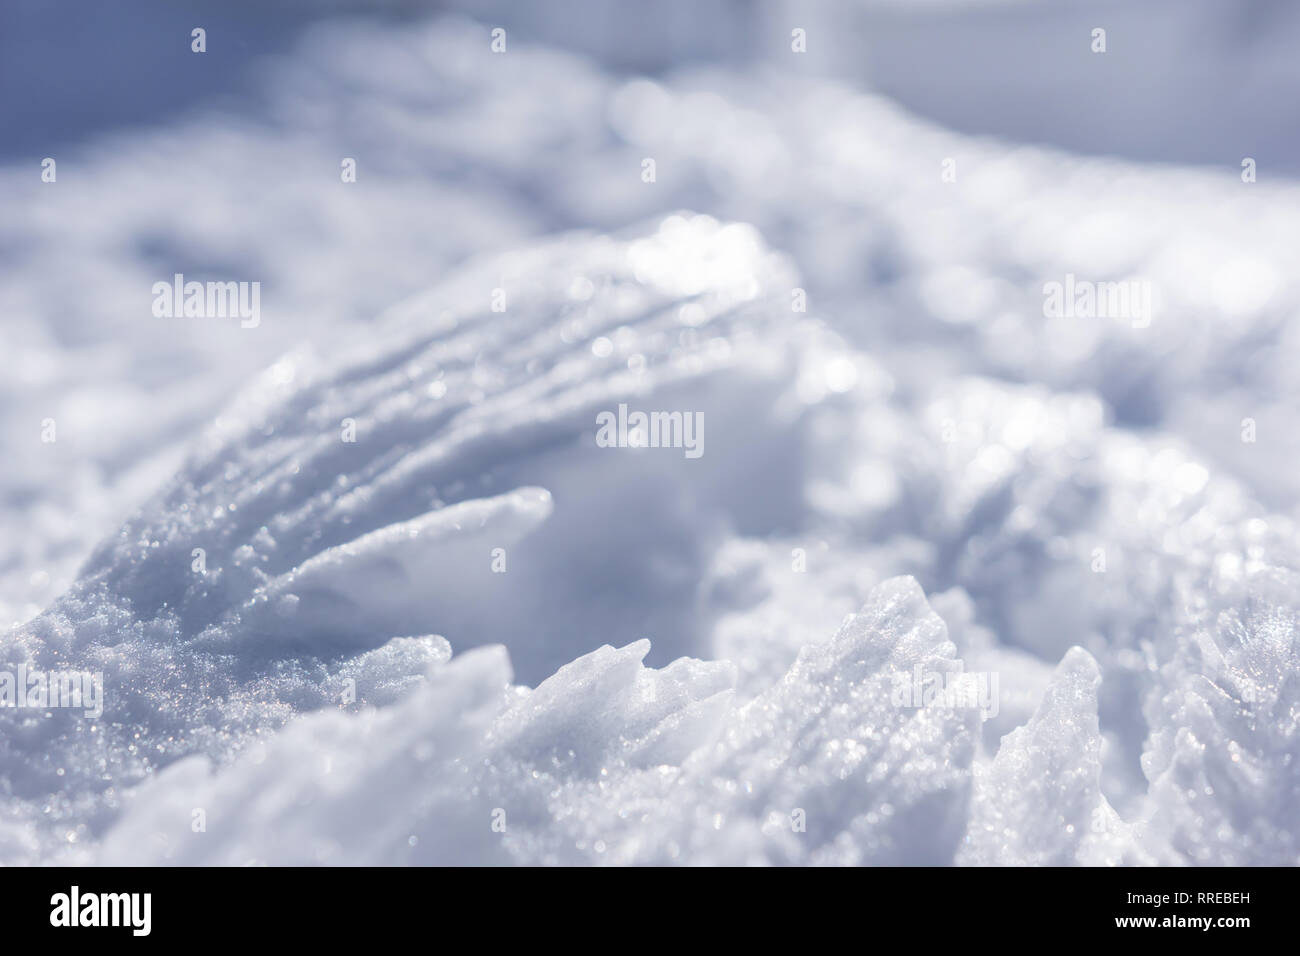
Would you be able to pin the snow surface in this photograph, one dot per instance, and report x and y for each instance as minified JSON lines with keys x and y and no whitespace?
{"x":945,"y":461}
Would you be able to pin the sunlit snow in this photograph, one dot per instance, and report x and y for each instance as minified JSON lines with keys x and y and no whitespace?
{"x":364,"y":587}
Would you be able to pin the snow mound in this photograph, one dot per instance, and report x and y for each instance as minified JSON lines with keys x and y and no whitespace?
{"x":1040,"y":803}
{"x":1080,"y":498}
{"x":605,"y":762}
{"x":1223,"y":757}
{"x":345,"y":506}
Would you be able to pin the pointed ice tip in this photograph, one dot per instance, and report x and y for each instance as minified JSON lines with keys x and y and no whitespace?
{"x":895,"y":622}
{"x":900,"y":598}
{"x":904,"y":588}
{"x":639,"y":648}
{"x":1073,"y":685}
{"x":1079,"y":665}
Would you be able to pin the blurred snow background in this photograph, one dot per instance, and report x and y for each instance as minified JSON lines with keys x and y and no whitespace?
{"x":923,"y":418}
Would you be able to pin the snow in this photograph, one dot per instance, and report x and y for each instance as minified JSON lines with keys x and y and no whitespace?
{"x":605,"y":762}
{"x":472,"y":635}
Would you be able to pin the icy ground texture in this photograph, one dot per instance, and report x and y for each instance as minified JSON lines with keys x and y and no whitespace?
{"x":923,"y":431}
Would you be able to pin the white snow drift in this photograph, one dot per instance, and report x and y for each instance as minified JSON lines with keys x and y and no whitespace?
{"x":395,"y":604}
